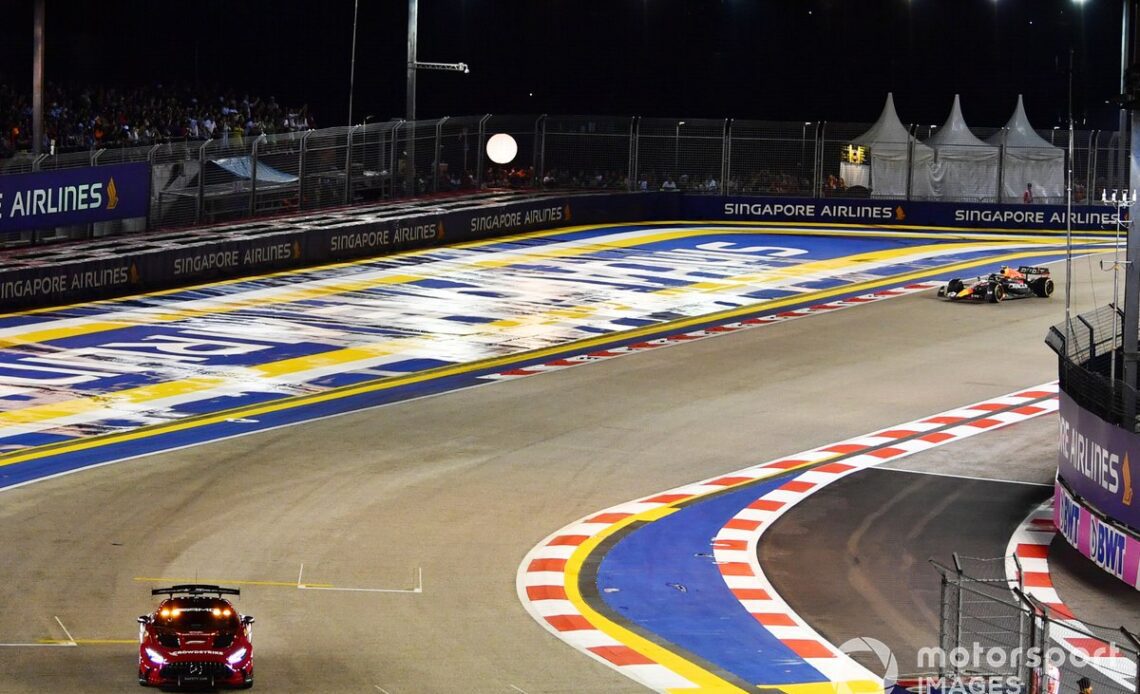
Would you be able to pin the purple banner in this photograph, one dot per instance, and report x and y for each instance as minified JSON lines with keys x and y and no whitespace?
{"x":74,"y":196}
{"x":1108,"y":547}
{"x":1094,"y":459}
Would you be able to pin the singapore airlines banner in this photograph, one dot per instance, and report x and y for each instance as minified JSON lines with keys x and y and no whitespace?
{"x":65,"y":197}
{"x":1095,"y":459}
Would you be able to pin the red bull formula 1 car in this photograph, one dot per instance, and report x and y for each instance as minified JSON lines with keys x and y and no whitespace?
{"x":1007,"y":283}
{"x":196,"y":638}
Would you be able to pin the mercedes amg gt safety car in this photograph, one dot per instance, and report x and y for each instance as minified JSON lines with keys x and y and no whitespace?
{"x":196,"y":638}
{"x":1007,"y":283}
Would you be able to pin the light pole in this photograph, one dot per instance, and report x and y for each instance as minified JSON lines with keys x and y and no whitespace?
{"x":352,"y":64}
{"x":413,"y":65}
{"x":38,"y":79}
{"x":1130,"y":332}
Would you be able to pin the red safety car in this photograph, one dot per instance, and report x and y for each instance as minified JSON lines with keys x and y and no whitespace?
{"x":1007,"y":283}
{"x":196,"y":638}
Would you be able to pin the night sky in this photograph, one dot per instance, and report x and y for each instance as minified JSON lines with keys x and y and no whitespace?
{"x":788,"y":60}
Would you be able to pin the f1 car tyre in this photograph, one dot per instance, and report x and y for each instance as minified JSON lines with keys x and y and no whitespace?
{"x":955,"y":286}
{"x":995,"y":293}
{"x":1042,"y":287}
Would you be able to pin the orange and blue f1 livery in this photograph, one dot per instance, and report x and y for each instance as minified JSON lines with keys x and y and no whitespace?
{"x":1007,"y":283}
{"x":196,"y":638}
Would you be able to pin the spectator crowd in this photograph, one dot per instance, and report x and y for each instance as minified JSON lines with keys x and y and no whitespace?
{"x":77,"y":118}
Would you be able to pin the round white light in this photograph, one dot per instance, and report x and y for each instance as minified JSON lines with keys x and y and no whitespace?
{"x":502,"y":148}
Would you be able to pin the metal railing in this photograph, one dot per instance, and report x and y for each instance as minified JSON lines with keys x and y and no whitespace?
{"x":1091,"y":365}
{"x":193,"y":182}
{"x":1001,"y":627}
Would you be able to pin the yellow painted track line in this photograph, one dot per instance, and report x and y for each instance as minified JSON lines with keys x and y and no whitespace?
{"x":457,"y":369}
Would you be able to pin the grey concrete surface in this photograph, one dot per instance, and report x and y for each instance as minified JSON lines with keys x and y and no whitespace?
{"x":462,"y":486}
{"x":869,"y":538}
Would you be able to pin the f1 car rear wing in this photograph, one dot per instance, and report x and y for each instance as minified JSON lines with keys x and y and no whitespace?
{"x":1032,"y":270}
{"x":195,"y":589}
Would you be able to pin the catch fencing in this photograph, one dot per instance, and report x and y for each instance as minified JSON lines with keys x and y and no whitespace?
{"x":995,"y":629}
{"x":238,"y":177}
{"x":1091,"y":365}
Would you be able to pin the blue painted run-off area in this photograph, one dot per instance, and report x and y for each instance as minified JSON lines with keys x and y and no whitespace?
{"x":663,"y":578}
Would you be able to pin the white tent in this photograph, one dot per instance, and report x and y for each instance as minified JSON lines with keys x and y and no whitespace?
{"x":966,"y":168}
{"x":1029,"y":159}
{"x":890,"y":146}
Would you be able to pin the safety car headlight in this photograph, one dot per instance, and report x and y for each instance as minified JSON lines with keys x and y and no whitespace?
{"x":155,"y":656}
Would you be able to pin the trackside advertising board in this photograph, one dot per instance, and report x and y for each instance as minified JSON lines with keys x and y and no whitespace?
{"x":73,"y":196}
{"x":897,"y":212}
{"x":1106,"y":545}
{"x":218,"y":252}
{"x":1095,"y":459}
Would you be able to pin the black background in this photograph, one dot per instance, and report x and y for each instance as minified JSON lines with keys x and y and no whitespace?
{"x":764,"y":59}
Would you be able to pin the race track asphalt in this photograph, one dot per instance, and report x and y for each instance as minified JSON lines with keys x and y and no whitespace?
{"x":460,"y":486}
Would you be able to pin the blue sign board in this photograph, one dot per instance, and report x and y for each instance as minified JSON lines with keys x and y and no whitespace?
{"x":49,"y":199}
{"x":951,"y":215}
{"x":1095,"y":460}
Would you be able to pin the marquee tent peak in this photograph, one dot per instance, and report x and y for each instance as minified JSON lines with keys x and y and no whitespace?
{"x":955,"y":131}
{"x":1018,"y":132}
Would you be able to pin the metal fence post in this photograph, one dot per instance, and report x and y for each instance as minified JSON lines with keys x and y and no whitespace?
{"x":1090,"y":170}
{"x":634,"y":178}
{"x":393,"y":166}
{"x":910,"y":165}
{"x":539,"y":164}
{"x":348,"y":164}
{"x":1001,"y":174}
{"x":958,"y":606}
{"x":725,"y":155}
{"x":436,"y":156}
{"x":301,"y":170}
{"x":253,"y":176}
{"x":200,"y":203}
{"x":479,"y":153}
{"x":942,"y":624}
{"x":1028,"y":603}
{"x":817,"y":164}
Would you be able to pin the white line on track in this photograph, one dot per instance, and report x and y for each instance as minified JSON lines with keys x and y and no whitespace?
{"x":521,"y":691}
{"x":963,"y":477}
{"x":299,"y":574}
{"x":70,"y":638}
